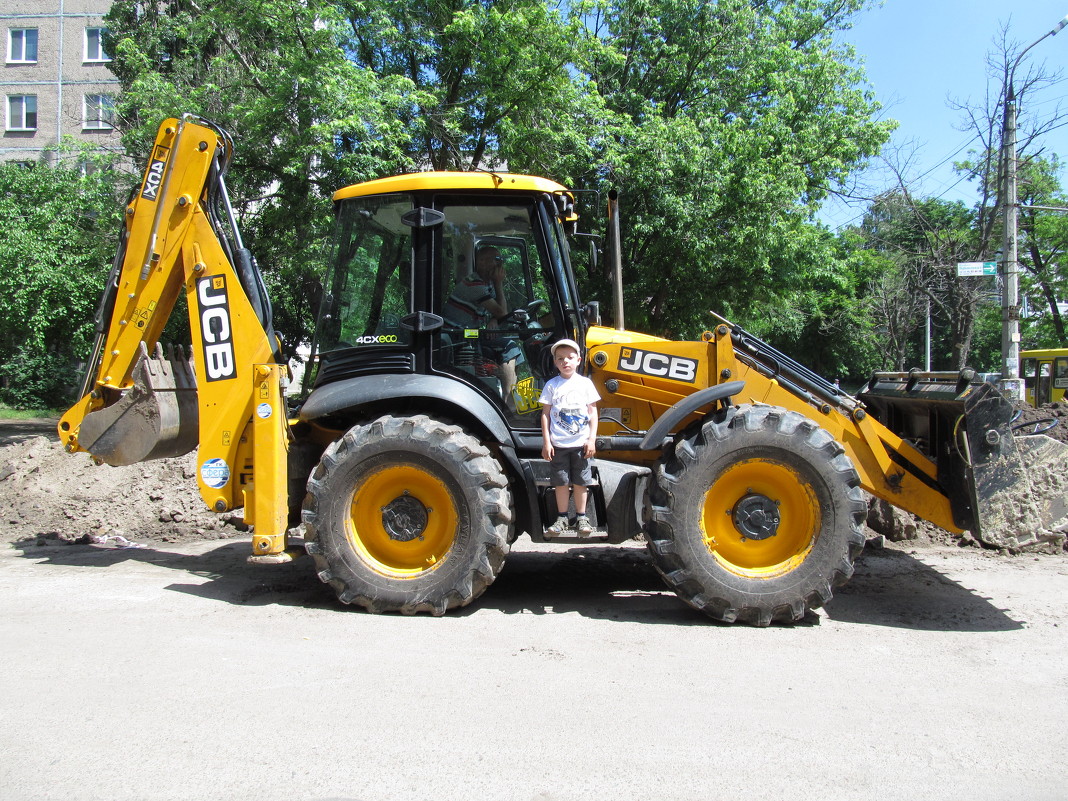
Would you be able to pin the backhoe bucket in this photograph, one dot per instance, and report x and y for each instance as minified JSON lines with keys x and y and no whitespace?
{"x":158,"y":417}
{"x":1007,"y":490}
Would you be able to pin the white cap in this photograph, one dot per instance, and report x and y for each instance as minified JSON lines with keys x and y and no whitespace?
{"x":570,"y":343}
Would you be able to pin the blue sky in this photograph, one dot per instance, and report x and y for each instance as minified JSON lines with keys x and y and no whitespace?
{"x":919,"y":53}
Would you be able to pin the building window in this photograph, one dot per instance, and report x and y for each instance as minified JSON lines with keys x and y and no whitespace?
{"x":99,"y":112}
{"x":94,"y":45}
{"x":22,"y":46}
{"x":22,"y":112}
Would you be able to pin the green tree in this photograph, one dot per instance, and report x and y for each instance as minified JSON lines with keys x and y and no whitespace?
{"x":922,"y":241}
{"x":326,"y":93}
{"x":1040,"y":237}
{"x":484,"y":82}
{"x":721,"y":123}
{"x":727,"y":122}
{"x":306,"y":118}
{"x":61,"y":227}
{"x":1043,"y":238}
{"x":835,"y":330}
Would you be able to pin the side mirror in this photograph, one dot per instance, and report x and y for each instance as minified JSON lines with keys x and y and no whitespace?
{"x":591,"y":313}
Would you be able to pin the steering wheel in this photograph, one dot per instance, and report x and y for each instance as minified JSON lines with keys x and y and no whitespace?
{"x":521,"y":316}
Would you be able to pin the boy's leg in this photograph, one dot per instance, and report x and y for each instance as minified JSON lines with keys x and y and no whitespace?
{"x":563,"y":494}
{"x":581,"y":493}
{"x":583,"y":476}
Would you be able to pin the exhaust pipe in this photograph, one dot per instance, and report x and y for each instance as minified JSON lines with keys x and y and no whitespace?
{"x":617,"y":259}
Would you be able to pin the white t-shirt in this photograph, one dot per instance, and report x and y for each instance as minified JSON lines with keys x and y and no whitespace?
{"x":569,"y":424}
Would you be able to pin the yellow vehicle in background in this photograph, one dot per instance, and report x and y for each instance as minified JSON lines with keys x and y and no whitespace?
{"x":1045,"y":375}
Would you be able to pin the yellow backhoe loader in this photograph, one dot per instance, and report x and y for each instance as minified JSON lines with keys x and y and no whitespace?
{"x":412,"y":455}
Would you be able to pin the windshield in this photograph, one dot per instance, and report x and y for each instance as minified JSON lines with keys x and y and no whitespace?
{"x":369,"y":286}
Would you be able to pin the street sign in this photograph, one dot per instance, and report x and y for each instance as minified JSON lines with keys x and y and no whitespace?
{"x":973,"y":269}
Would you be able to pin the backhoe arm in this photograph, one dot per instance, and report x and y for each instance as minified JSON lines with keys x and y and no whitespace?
{"x":136,"y":406}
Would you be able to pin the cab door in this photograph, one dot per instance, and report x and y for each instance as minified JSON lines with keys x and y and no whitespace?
{"x":1060,"y":378}
{"x":504,"y":356}
{"x":1044,"y":384}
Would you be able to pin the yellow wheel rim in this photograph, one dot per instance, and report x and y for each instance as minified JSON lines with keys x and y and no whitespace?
{"x":403,"y":520}
{"x":760,"y":490}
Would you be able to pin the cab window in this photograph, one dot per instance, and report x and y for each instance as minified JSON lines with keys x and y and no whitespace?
{"x":1060,"y":372}
{"x":369,"y":286}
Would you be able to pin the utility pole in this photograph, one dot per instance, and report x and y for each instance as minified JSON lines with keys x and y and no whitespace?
{"x":1011,"y":383}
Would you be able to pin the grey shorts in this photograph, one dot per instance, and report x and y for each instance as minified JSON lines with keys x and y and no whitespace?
{"x":569,"y":466}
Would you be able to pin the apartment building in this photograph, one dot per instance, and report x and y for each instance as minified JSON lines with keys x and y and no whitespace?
{"x":55,"y":82}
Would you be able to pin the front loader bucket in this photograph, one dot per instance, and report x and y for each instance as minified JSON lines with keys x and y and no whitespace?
{"x":156,"y":418}
{"x":1007,"y":490}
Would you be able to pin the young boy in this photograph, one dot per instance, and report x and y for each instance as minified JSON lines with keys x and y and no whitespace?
{"x":569,"y":429}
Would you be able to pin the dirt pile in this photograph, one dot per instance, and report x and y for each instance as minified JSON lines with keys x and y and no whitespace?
{"x":1050,"y":420}
{"x":46,"y":493}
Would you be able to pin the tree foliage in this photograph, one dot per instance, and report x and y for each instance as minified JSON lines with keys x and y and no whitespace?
{"x":721,"y":123}
{"x":307,"y":118}
{"x":924,"y":240}
{"x":482,"y":81}
{"x":60,"y":227}
{"x":1043,"y":251}
{"x":1040,"y":237}
{"x":729,"y":120}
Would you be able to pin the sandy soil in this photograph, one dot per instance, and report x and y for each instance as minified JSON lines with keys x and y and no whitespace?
{"x":1051,"y":420}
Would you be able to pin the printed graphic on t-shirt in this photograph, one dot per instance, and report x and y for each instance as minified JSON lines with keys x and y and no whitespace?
{"x":571,"y":420}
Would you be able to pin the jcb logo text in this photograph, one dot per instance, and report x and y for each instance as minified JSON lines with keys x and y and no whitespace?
{"x":155,"y":174}
{"x":216,"y":334}
{"x":658,"y":364}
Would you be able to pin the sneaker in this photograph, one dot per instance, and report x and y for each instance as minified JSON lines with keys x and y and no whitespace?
{"x":557,"y":529}
{"x":585,"y":527}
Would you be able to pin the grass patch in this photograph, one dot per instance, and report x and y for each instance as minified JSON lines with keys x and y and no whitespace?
{"x":7,"y":413}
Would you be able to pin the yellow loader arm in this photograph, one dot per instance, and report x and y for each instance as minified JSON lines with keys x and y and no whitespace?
{"x":937,"y":445}
{"x":138,"y":403}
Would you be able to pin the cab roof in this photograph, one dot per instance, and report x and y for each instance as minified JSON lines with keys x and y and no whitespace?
{"x":444,"y":181}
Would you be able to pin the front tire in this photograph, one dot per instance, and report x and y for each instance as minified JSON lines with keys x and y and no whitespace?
{"x":757,"y":515}
{"x":407,"y":514}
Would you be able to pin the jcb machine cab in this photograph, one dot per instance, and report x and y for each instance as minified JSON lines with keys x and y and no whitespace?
{"x":425,"y":395}
{"x":414,"y":457}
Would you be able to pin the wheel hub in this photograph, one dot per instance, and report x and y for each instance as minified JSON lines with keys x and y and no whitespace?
{"x":756,"y":517}
{"x":405,"y":518}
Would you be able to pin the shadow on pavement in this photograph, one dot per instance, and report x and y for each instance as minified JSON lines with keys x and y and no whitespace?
{"x":12,"y":431}
{"x":225,"y":572}
{"x":894,"y":588}
{"x":611,"y":583}
{"x":889,"y":588}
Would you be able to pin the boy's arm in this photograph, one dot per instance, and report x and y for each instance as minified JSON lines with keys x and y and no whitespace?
{"x":547,"y":445}
{"x":590,"y":448}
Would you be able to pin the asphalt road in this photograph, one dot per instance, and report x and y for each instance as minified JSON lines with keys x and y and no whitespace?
{"x":184,"y":673}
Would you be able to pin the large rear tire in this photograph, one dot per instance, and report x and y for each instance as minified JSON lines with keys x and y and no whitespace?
{"x":758,"y":513}
{"x":408,"y":514}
